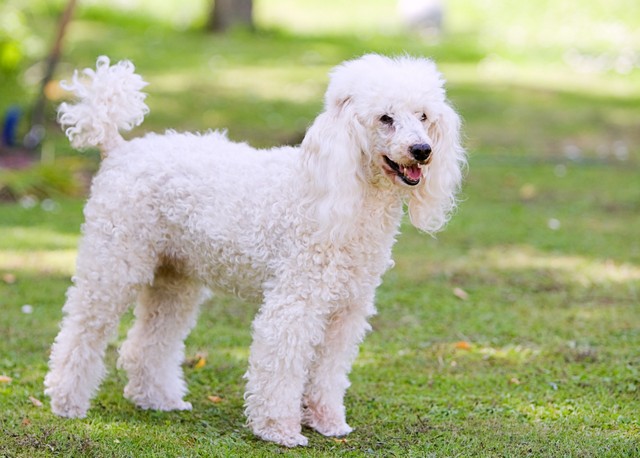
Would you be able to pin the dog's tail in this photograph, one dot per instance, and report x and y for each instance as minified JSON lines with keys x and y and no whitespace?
{"x":110,"y":100}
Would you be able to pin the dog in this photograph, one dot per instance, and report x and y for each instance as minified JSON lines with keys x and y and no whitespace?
{"x":306,"y":231}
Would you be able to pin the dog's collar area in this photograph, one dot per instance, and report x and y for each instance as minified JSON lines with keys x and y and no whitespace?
{"x":410,"y":174}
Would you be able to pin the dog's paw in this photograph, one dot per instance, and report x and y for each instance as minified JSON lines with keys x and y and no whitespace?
{"x":175,"y":405}
{"x":66,"y":399}
{"x":149,"y":397}
{"x":69,"y":409}
{"x":333,"y":430}
{"x":330,"y":429}
{"x":325,"y":422}
{"x":288,"y":440}
{"x":162,"y":405}
{"x":282,"y":432}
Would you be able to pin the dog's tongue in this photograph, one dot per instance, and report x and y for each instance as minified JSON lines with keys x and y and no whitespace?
{"x":413,"y":172}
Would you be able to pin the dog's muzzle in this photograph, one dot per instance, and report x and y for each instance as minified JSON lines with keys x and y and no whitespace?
{"x":408,"y":173}
{"x":411,"y":172}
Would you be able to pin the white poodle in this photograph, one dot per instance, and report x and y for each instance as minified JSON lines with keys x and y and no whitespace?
{"x":306,"y":231}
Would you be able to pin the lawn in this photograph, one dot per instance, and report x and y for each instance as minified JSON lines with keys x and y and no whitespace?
{"x":515,"y":332}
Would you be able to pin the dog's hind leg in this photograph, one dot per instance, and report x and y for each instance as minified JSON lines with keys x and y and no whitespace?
{"x":154,"y":350}
{"x":107,"y":280}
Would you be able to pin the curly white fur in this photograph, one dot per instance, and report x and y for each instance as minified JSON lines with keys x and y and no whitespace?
{"x":111,"y":101}
{"x":307,"y":231}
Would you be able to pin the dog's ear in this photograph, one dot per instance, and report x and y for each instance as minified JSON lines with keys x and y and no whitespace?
{"x":431,"y":204}
{"x":333,"y":152}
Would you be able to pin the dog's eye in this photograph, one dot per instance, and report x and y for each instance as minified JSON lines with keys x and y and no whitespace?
{"x":386,"y":119}
{"x":423,"y":118}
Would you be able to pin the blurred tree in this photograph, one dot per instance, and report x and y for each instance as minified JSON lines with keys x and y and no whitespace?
{"x":36,"y":133}
{"x":229,"y":13}
{"x":13,"y":34}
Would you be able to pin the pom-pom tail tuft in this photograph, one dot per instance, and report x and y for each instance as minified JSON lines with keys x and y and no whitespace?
{"x":109,"y":101}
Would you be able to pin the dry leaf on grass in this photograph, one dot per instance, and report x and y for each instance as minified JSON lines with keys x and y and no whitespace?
{"x":340,"y":440}
{"x":26,"y":422}
{"x":460,"y":294}
{"x":35,"y":401}
{"x":463,"y":345}
{"x":5,"y":379}
{"x":215,"y":399}
{"x":528,"y":191}
{"x":200,"y":363}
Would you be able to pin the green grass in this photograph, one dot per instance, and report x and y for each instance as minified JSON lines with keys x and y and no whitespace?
{"x":544,"y":243}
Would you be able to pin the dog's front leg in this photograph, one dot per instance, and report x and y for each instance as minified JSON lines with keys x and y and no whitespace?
{"x":323,"y":408}
{"x":284,"y":335}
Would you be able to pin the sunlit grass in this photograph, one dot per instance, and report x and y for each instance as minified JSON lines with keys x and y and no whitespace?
{"x":512,"y":353}
{"x":27,"y":238}
{"x":42,"y":262}
{"x":303,"y":83}
{"x":495,"y":71}
{"x":548,"y":25}
{"x":578,"y":269}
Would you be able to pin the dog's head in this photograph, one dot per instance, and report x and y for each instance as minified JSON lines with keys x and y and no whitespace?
{"x":388,"y":124}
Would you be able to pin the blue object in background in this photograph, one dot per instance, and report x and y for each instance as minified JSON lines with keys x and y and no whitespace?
{"x":10,"y":126}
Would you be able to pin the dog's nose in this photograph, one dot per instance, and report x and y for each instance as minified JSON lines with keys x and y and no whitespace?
{"x":421,"y":151}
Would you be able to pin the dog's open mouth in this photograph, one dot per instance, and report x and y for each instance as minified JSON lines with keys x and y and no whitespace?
{"x":410,"y":174}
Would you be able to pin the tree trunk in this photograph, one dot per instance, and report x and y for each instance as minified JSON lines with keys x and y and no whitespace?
{"x":230,"y":13}
{"x":36,"y":133}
